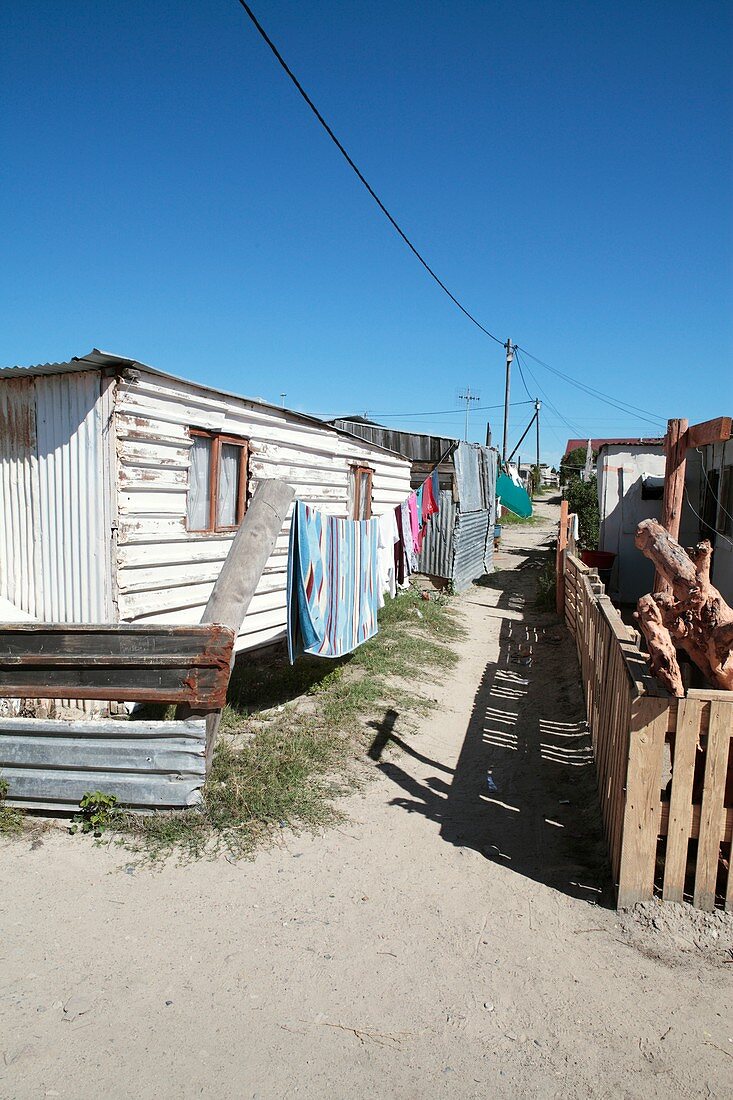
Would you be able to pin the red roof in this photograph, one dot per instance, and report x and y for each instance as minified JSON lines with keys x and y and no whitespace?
{"x":596,"y":444}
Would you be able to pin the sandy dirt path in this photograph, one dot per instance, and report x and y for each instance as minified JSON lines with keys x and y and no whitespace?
{"x":451,"y":939}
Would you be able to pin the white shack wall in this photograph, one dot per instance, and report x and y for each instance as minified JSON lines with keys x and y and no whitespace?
{"x":165,"y":573}
{"x":622,"y":509}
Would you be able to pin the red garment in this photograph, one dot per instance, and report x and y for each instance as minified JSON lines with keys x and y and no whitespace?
{"x":429,"y":503}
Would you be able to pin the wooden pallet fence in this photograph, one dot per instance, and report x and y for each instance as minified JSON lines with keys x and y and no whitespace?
{"x":640,"y":736}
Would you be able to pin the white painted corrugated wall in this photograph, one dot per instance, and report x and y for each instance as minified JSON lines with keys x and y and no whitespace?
{"x":54,"y":515}
{"x":73,"y":514}
{"x":165,"y":574}
{"x":19,"y":534}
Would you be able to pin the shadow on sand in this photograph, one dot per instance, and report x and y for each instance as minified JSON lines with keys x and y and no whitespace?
{"x":523,"y":792}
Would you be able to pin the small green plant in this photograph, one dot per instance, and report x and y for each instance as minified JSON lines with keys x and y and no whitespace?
{"x":546,"y":581}
{"x":11,"y":821}
{"x":582,"y":497}
{"x":98,"y":811}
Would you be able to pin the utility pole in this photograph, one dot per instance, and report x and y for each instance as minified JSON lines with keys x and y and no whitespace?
{"x":468,"y":397}
{"x":509,"y":356}
{"x":537,"y":407}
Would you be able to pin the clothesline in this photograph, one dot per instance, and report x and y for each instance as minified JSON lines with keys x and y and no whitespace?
{"x":339,"y":569}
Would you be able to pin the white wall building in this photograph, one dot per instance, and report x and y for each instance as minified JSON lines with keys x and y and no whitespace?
{"x":630,"y":489}
{"x":121,"y":488}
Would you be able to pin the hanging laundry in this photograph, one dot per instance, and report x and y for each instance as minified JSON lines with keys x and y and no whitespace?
{"x":436,"y":486}
{"x":430,"y":505}
{"x":388,"y":536}
{"x":414,"y":523}
{"x":407,"y":537}
{"x":401,"y":560}
{"x":333,"y":583}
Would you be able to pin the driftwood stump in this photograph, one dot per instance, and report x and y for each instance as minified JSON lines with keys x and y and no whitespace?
{"x":693,"y":617}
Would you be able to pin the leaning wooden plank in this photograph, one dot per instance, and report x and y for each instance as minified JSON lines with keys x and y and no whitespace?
{"x":643,"y":806}
{"x":240,"y":573}
{"x":680,"y":804}
{"x":711,"y":816}
{"x":30,"y":788}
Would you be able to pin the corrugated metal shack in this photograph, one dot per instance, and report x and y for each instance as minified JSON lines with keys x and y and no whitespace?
{"x":459,"y":542}
{"x":121,"y":488}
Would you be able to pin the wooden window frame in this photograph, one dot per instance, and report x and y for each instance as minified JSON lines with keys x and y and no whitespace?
{"x":357,"y":472}
{"x":217,"y":439}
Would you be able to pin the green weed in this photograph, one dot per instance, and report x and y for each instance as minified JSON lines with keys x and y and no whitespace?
{"x":293,"y":736}
{"x":11,"y":820}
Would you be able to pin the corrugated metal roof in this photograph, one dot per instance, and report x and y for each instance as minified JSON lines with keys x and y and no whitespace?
{"x":101,"y":360}
{"x":417,"y":446}
{"x":596,"y":444}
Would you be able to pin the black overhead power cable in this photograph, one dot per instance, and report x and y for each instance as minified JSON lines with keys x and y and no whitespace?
{"x":573,"y":427}
{"x":521,"y":375}
{"x":360,"y":175}
{"x":621,"y":405}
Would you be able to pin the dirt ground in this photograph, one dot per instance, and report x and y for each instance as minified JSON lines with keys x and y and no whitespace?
{"x":453,"y":938}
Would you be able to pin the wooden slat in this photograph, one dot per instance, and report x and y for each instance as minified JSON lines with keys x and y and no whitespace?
{"x":710,"y":431}
{"x":185,"y":664}
{"x":680,"y":805}
{"x":711,"y":817}
{"x":726,"y":827}
{"x":643,"y":807}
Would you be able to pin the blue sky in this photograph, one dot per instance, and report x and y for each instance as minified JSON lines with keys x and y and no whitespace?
{"x":565,"y":167}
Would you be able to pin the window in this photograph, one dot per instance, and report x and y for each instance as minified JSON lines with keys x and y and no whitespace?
{"x":360,"y":492}
{"x":217,"y":481}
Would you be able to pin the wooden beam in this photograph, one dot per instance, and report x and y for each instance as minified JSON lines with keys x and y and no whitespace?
{"x":674,"y":486}
{"x":120,"y":662}
{"x":710,"y":431}
{"x":562,"y":541}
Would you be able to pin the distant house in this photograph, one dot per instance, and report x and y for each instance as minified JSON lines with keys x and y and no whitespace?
{"x":121,"y":489}
{"x":459,"y":541}
{"x":630,"y":489}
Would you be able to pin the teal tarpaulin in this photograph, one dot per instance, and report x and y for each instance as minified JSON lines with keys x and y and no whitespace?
{"x":513,"y":496}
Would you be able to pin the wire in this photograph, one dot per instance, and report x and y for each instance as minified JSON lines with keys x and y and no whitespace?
{"x":281,"y":60}
{"x":521,"y":375}
{"x":716,"y":498}
{"x":704,"y":522}
{"x":623,"y":406}
{"x":434,"y":412}
{"x":573,"y":427}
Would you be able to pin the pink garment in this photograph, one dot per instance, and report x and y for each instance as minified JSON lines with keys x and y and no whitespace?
{"x":414,"y":522}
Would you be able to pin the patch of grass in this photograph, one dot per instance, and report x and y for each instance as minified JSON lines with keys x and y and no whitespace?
{"x":11,"y":820}
{"x":510,"y":519}
{"x":546,"y":581}
{"x":292,"y":736}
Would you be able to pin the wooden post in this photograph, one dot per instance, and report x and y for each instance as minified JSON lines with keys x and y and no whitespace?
{"x":240,"y":574}
{"x":509,"y":357}
{"x":562,"y":541}
{"x":675,"y":448}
